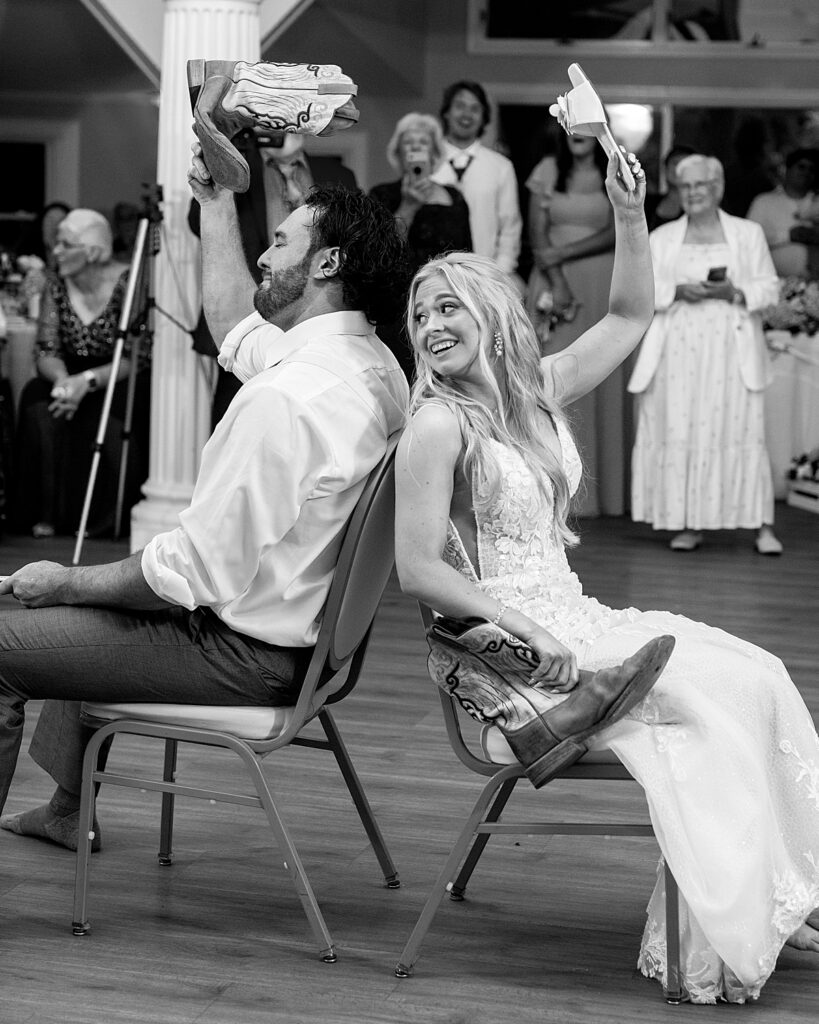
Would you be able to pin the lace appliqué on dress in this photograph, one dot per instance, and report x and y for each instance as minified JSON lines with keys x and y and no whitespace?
{"x":806,"y":771}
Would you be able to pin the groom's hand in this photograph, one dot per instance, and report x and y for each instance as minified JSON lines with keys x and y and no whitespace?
{"x":36,"y":585}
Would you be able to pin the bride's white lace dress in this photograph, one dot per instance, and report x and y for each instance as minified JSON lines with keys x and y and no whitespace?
{"x":723,"y":745}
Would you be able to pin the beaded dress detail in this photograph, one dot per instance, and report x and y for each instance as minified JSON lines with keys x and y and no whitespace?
{"x":723,"y":746}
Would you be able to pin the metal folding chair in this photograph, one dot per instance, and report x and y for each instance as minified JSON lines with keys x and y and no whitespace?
{"x":485,"y":820}
{"x":363,"y":568}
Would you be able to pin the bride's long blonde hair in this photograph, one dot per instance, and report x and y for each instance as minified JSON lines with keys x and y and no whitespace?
{"x":515,"y":377}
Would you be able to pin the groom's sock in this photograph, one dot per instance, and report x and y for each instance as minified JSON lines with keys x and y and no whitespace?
{"x":57,"y":821}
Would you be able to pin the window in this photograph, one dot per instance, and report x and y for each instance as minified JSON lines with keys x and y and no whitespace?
{"x":504,"y":26}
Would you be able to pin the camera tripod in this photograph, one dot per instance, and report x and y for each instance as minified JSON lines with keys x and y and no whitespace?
{"x":140,"y":328}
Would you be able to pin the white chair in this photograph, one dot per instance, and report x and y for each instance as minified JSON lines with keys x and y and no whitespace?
{"x":364,"y":565}
{"x":498,"y":763}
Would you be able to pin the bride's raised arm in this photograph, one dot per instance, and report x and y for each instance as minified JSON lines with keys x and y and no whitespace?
{"x":591,"y":358}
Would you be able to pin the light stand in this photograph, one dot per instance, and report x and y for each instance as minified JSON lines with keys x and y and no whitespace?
{"x":145,"y":248}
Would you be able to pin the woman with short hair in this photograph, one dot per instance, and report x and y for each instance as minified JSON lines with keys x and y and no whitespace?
{"x":700,"y":461}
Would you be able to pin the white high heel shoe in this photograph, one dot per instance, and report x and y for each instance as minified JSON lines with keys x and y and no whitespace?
{"x":581,"y":112}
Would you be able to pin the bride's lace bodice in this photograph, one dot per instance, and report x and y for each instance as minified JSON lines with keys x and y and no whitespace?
{"x":521,"y":562}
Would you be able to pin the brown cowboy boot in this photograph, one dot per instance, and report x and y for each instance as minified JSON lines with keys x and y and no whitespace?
{"x":544,"y":737}
{"x":228,"y":95}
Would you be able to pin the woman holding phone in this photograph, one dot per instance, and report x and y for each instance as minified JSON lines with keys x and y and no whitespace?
{"x":700,"y":462}
{"x":435,"y":217}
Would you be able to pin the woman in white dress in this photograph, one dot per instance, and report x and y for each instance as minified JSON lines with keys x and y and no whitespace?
{"x":485,"y":472}
{"x":700,"y":461}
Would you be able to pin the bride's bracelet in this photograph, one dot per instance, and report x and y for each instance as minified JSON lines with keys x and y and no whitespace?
{"x":502,"y":610}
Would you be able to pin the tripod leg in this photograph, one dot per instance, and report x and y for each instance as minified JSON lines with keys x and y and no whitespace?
{"x":126,"y":436}
{"x":122,"y":332}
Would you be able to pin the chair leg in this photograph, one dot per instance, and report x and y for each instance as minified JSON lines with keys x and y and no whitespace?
{"x":403,"y":968}
{"x":292,"y":860}
{"x":165,"y":855}
{"x":360,"y":800}
{"x":673,"y":990}
{"x":80,"y":925}
{"x":458,"y":888}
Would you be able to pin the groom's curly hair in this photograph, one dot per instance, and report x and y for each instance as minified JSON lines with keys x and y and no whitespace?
{"x":374,"y":266}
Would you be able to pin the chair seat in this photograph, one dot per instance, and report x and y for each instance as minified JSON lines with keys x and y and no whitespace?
{"x":497,"y":750}
{"x":248,"y":723}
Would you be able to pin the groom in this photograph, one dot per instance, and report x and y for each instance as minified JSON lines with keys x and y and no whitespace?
{"x":225,"y":608}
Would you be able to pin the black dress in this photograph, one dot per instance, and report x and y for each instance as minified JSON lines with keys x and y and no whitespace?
{"x":54,"y":455}
{"x":436,"y":229}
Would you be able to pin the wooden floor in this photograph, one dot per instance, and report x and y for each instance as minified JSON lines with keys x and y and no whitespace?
{"x":551,"y":930}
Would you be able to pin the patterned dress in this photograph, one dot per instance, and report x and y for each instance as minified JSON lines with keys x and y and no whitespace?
{"x":723,"y":746}
{"x":54,"y":455}
{"x":700,"y":460}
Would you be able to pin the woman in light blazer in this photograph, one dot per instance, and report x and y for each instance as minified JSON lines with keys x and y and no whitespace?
{"x":700,"y":461}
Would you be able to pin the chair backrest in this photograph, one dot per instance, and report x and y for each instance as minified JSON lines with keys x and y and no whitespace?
{"x":364,"y":565}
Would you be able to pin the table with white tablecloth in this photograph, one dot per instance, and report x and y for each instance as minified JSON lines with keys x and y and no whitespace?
{"x":791,"y":402}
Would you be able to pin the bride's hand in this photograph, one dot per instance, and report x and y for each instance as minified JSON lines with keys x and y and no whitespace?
{"x":558,"y":667}
{"x":619,"y":195}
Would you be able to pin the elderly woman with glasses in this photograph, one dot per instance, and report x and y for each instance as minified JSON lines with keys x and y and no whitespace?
{"x":700,"y":461}
{"x":60,"y":408}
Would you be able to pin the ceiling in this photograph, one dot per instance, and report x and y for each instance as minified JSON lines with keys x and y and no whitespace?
{"x":57,"y":47}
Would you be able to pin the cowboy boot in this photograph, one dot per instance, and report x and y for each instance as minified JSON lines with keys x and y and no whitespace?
{"x":227,"y":95}
{"x":501,"y":652}
{"x":545,"y":737}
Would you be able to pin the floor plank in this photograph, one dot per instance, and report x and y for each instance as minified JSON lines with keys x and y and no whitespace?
{"x":552,"y":926}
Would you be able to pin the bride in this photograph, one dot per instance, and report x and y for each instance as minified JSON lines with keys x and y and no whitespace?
{"x":485,"y":473}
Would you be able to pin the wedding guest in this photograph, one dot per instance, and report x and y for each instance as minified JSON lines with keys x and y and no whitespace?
{"x":486,"y":178}
{"x":435,"y":217}
{"x":666,"y":206}
{"x":60,"y":408}
{"x":571,"y":230}
{"x":39,"y":239}
{"x":789,"y":216}
{"x":700,"y":462}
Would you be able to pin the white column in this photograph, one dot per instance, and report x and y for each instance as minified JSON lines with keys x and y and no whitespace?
{"x":180,"y":391}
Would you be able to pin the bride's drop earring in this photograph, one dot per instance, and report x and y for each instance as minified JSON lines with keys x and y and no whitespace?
{"x":498,"y":346}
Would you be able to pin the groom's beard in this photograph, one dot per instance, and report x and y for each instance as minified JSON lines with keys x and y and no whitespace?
{"x":283,"y":288}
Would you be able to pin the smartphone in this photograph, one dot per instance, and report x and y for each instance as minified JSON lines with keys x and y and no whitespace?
{"x":419,"y":164}
{"x":717,"y":274}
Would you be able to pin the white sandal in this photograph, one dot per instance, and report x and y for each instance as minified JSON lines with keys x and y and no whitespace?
{"x":581,"y":112}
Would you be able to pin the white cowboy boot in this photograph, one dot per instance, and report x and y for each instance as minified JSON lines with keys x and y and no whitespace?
{"x":228,"y":95}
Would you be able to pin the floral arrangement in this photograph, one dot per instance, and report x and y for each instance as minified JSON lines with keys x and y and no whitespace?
{"x":804,"y":467}
{"x":797,"y":310}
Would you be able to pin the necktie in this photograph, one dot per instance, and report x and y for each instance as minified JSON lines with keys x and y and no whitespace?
{"x":461,"y":170}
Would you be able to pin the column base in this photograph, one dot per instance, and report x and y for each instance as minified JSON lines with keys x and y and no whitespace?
{"x":154,"y":515}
